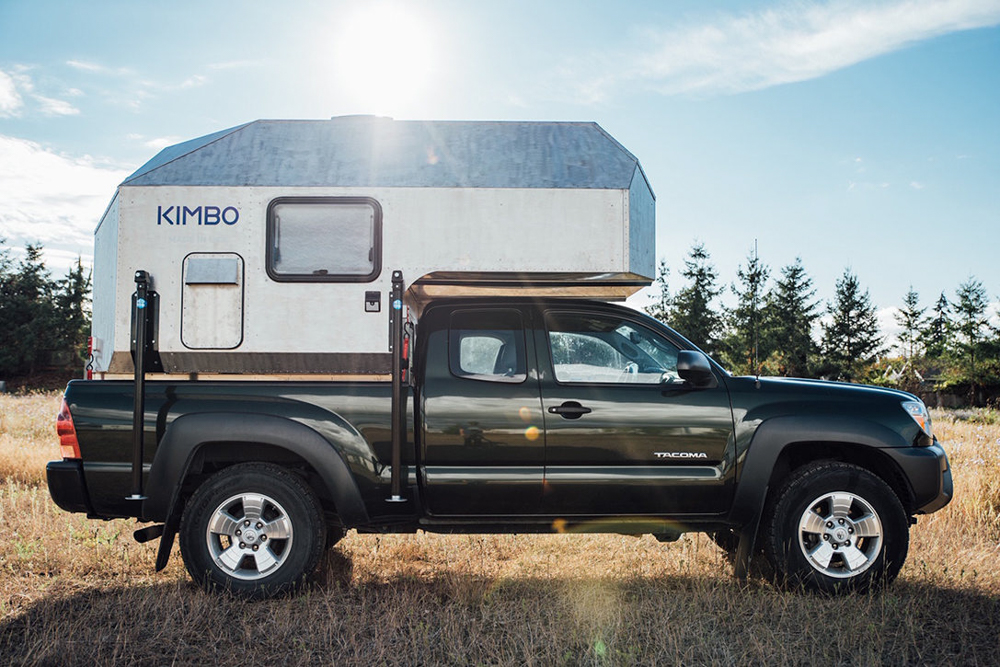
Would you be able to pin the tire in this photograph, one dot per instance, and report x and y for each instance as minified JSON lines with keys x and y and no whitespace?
{"x":835,"y":528}
{"x":253,"y":529}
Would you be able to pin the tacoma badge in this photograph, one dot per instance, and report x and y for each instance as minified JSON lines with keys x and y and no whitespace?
{"x":680,"y":455}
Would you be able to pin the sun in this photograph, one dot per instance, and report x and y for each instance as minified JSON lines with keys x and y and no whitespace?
{"x":385,"y":58}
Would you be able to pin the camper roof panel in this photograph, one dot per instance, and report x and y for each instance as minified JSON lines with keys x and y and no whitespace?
{"x":378,"y":152}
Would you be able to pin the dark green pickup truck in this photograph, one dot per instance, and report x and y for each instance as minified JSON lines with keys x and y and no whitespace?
{"x":520,"y":416}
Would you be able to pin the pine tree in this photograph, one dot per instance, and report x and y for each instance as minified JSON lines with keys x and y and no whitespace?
{"x":851,"y":341}
{"x":692,"y":314}
{"x":911,"y":318}
{"x":741,"y":346}
{"x":971,"y":325}
{"x":935,"y":334}
{"x":27,"y":331}
{"x":661,"y":309}
{"x":7,"y":302}
{"x":792,"y":313}
{"x":72,"y":301}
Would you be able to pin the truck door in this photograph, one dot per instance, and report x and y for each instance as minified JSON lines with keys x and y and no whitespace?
{"x":624,"y":434}
{"x":482,"y":450}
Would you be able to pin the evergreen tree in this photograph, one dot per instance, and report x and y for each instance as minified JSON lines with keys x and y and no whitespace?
{"x":911,"y":318}
{"x":661,"y":309}
{"x":935,"y":335}
{"x":692,"y":314}
{"x":27,"y":330}
{"x":851,"y":341}
{"x":7,"y":355}
{"x":971,"y":325}
{"x":741,"y":346}
{"x":792,"y":313}
{"x":72,"y":301}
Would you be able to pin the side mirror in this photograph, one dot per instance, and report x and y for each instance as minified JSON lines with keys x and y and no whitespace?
{"x":694,"y":368}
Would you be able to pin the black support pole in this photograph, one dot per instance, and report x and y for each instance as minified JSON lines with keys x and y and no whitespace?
{"x":398,"y":395}
{"x":142,"y":282}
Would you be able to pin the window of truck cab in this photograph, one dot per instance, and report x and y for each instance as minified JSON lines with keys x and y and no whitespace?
{"x":588,"y":348}
{"x":324,"y":239}
{"x":487,"y":345}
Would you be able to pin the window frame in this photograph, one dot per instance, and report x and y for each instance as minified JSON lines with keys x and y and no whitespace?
{"x":330,"y":277}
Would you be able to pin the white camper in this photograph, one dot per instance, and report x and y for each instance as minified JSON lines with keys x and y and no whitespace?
{"x":271,"y":245}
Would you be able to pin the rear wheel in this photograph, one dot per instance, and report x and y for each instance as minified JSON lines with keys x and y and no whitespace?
{"x":253,"y":529}
{"x":836,"y":527}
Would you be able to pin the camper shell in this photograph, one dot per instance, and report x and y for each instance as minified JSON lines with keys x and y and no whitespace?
{"x":271,"y":246}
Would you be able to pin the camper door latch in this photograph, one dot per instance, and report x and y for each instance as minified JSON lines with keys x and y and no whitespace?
{"x":373,"y":302}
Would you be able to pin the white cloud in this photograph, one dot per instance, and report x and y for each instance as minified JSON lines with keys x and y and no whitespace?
{"x":794,"y":41}
{"x":19,"y":82}
{"x":156,"y":143}
{"x":85,"y":66}
{"x":159,"y":143}
{"x":194,"y":81}
{"x":917,"y":185}
{"x":96,"y":68}
{"x":54,"y":107}
{"x":10,"y":100}
{"x":53,"y":199}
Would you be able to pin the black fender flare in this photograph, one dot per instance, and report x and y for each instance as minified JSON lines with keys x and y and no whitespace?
{"x":189,"y":433}
{"x":765,"y":448}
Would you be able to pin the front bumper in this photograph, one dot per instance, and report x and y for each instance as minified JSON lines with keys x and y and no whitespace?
{"x":929,"y":475}
{"x":67,"y":486}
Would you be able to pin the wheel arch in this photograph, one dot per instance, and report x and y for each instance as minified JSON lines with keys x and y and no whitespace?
{"x":782,"y":444}
{"x":217,"y":439}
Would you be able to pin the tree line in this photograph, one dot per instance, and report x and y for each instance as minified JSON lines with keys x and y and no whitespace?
{"x":44,"y":322}
{"x":777,"y":327}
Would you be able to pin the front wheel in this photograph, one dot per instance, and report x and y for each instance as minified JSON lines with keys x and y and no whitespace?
{"x":836,"y":527}
{"x":253,"y":529}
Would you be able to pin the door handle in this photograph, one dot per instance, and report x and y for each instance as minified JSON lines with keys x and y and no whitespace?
{"x":570,"y":410}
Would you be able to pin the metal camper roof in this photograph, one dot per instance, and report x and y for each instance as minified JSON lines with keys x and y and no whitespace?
{"x":381,"y":152}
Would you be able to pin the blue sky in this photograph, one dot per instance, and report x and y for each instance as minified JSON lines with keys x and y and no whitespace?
{"x":851,"y":134}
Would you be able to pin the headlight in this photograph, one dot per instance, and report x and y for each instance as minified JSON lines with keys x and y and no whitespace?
{"x":918,"y":411}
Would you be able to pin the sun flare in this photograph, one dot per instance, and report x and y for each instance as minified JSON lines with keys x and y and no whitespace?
{"x":384,"y":58}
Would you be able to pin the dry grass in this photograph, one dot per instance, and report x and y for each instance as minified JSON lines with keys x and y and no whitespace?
{"x":81,"y":592}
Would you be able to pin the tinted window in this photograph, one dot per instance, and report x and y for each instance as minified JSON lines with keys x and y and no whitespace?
{"x":487,"y":345}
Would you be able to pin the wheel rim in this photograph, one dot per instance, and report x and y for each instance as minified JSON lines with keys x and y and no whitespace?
{"x":840,"y":534}
{"x":249,"y":536}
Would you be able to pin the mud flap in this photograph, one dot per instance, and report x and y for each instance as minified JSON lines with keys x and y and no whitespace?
{"x":166,"y":544}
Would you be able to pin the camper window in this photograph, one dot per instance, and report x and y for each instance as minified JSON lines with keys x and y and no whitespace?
{"x":324,"y":239}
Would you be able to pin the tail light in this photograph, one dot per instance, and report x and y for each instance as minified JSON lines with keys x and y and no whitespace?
{"x":68,"y":444}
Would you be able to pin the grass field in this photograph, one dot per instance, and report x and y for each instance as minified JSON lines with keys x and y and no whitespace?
{"x":74,"y":591}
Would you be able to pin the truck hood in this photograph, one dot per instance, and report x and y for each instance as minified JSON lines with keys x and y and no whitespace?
{"x":832,"y":388}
